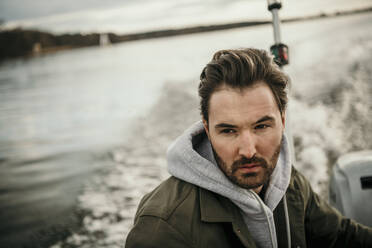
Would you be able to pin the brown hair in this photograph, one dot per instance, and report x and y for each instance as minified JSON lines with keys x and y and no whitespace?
{"x":242,"y":68}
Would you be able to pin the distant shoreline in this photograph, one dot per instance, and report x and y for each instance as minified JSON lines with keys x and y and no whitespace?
{"x":21,"y":42}
{"x":217,"y":27}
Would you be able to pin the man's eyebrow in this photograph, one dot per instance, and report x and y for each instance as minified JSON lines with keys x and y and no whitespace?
{"x":224,"y":125}
{"x":265,"y":118}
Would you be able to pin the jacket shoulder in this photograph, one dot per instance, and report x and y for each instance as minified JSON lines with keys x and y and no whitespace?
{"x":167,"y":216}
{"x":324,"y":225}
{"x":298,"y":183}
{"x":297,"y":179}
{"x":165,"y":199}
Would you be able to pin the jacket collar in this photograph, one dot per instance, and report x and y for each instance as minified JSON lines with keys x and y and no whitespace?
{"x":215,"y":208}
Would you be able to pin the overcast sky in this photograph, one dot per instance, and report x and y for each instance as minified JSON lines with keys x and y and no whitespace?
{"x":126,"y":16}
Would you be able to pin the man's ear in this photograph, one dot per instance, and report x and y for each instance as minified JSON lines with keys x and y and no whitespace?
{"x":206,"y":127}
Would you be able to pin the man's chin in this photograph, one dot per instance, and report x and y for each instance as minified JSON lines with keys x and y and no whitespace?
{"x":248,"y":181}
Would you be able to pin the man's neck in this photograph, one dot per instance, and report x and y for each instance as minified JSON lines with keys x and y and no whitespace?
{"x":262,"y":191}
{"x":258,"y":189}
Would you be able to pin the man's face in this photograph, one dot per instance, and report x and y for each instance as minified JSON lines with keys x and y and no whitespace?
{"x":245,"y":128}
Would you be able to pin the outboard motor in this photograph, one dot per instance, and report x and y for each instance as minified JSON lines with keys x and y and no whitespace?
{"x":350,"y":189}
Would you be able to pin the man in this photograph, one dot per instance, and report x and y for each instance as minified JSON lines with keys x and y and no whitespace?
{"x":233,"y":184}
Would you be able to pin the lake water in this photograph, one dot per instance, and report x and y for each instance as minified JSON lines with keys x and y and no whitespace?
{"x":61,"y":113}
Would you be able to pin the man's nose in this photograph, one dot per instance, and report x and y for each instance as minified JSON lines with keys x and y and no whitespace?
{"x":247,"y":145}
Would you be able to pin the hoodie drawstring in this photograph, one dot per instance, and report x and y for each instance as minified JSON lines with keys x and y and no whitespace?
{"x":273,"y":243}
{"x":288,"y":229}
{"x":287,"y":221}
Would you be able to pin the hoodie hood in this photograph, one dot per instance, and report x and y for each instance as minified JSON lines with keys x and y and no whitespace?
{"x":190,"y":158}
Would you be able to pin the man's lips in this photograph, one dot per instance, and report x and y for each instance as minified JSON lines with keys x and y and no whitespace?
{"x":248,"y":168}
{"x":249,"y":165}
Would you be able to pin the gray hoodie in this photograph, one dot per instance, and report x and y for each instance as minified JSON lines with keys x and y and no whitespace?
{"x":190,"y":158}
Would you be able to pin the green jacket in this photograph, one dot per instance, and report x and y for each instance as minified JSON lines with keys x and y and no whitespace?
{"x":180,"y":214}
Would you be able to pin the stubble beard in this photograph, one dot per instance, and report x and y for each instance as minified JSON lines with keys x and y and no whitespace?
{"x":249,"y":180}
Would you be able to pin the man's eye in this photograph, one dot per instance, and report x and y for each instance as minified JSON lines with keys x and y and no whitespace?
{"x":227,"y":130}
{"x":262,"y":126}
